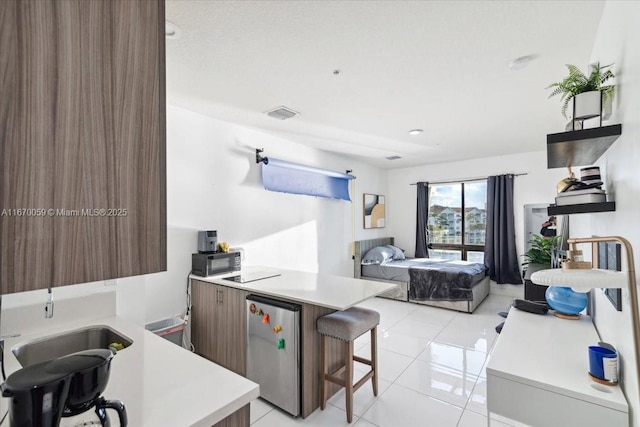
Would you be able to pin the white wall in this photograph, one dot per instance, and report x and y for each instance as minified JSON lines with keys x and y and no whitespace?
{"x":538,"y":186}
{"x":616,"y":42}
{"x":214,"y":183}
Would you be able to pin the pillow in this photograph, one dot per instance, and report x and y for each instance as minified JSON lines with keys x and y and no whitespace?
{"x":378,"y":255}
{"x":397,"y":252}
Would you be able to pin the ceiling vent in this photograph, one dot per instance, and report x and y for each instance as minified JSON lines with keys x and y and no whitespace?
{"x":393,"y":157}
{"x":281,"y":113}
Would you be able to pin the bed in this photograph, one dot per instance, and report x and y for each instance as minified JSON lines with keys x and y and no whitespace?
{"x":456,"y":285}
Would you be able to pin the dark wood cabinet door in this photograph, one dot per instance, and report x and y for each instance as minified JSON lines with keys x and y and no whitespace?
{"x":233,"y":334}
{"x":203,"y":318}
{"x":82,"y":137}
{"x":219,"y":327}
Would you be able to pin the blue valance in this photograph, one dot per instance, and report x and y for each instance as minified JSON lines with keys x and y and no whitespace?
{"x":287,"y":177}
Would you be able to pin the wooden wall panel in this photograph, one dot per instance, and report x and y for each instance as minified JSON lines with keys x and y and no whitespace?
{"x":82,"y":127}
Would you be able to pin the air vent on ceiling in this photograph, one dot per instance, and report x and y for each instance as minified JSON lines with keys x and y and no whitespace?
{"x":393,"y":157}
{"x":281,"y":113}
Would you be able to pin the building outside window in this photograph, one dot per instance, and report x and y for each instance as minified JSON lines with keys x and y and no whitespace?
{"x":457,"y":220}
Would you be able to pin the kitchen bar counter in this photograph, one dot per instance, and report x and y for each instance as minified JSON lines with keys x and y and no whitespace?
{"x":160,"y":383}
{"x":220,"y":318}
{"x":322,"y":290}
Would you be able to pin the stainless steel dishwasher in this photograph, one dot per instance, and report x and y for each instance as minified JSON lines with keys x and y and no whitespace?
{"x":273,"y":350}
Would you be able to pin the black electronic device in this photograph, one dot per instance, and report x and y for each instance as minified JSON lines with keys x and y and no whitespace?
{"x":207,"y":241}
{"x":530,"y":306}
{"x":213,"y":264}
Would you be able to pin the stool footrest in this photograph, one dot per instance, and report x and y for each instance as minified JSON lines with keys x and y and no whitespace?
{"x":363,"y":380}
{"x":343,"y":383}
{"x":362,"y":360}
{"x":337,"y":372}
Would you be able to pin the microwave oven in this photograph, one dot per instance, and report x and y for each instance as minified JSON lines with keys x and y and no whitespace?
{"x":218,"y":263}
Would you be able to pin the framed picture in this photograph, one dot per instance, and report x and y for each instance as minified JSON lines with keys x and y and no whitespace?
{"x":610,"y":258}
{"x":373,"y":210}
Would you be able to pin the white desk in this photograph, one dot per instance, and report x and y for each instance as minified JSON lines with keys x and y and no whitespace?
{"x":538,"y":375}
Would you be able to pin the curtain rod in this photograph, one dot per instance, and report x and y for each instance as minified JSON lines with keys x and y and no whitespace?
{"x":468,"y":179}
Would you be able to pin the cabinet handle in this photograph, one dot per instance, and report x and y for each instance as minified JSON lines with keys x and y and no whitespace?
{"x":221,"y":297}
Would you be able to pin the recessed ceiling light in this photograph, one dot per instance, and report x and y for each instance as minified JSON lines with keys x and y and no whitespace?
{"x":415,"y":131}
{"x":171,"y":30}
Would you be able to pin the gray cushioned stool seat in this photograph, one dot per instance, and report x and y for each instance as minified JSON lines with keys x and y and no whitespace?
{"x":349,"y":324}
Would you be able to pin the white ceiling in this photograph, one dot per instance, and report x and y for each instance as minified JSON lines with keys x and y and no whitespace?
{"x":441,"y":66}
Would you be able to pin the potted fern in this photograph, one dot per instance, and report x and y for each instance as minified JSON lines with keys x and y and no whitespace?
{"x":541,"y":248}
{"x":589,"y":93}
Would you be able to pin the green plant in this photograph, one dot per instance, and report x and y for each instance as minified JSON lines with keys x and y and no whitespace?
{"x":577,"y":82}
{"x":541,"y":247}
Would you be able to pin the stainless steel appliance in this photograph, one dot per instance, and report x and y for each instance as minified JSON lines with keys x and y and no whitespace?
{"x":207,"y":241}
{"x":43,"y":393}
{"x":212,"y":264}
{"x":273,"y":350}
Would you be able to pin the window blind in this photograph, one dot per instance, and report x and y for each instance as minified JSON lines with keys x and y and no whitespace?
{"x":287,"y":177}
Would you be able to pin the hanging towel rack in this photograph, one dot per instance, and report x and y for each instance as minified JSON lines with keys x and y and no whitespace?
{"x":259,"y":158}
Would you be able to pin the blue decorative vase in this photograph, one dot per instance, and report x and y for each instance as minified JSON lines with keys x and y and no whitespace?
{"x":565,"y":300}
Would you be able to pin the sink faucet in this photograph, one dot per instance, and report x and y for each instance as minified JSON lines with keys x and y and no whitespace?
{"x":48,"y":309}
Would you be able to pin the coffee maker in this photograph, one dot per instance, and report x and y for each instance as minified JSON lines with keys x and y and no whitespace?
{"x":43,"y":393}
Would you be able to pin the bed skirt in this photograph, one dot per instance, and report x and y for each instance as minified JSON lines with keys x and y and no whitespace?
{"x":479,"y":291}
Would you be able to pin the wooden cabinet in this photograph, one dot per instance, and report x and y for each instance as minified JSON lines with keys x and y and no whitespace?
{"x":219,"y":324}
{"x":240,"y":418}
{"x":82,"y":141}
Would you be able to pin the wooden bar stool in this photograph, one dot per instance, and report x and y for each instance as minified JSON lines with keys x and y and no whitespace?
{"x":346,"y":326}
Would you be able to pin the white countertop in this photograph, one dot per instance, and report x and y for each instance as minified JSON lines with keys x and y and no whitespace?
{"x":324,"y":290}
{"x":550,"y":353}
{"x":160,"y":383}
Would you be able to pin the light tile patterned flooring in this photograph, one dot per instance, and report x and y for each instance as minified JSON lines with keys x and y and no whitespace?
{"x":431,"y":368}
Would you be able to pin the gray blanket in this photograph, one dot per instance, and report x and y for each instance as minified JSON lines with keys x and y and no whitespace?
{"x":439,"y":280}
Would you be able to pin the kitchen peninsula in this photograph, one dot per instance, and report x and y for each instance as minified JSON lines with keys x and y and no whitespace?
{"x":219,"y":317}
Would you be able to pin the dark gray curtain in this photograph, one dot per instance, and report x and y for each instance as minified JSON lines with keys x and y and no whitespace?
{"x":500,"y":254}
{"x":421,"y":220}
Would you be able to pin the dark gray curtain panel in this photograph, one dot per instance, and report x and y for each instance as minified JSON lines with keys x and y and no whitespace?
{"x":500,"y":254}
{"x":421,"y":220}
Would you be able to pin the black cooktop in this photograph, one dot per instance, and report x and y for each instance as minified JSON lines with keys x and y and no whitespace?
{"x":251,"y":277}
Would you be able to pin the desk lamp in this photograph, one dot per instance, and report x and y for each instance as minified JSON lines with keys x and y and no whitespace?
{"x":582,"y":280}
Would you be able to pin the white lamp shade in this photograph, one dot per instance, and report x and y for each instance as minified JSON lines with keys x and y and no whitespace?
{"x":581,"y":280}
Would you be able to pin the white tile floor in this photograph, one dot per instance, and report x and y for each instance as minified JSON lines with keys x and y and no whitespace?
{"x":431,"y":369}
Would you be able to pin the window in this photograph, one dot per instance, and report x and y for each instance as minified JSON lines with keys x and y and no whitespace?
{"x":457,"y":220}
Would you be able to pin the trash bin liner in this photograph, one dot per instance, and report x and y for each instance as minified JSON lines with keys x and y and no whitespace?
{"x":171,"y":329}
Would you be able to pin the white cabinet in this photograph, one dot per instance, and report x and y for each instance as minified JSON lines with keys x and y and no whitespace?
{"x":538,"y":375}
